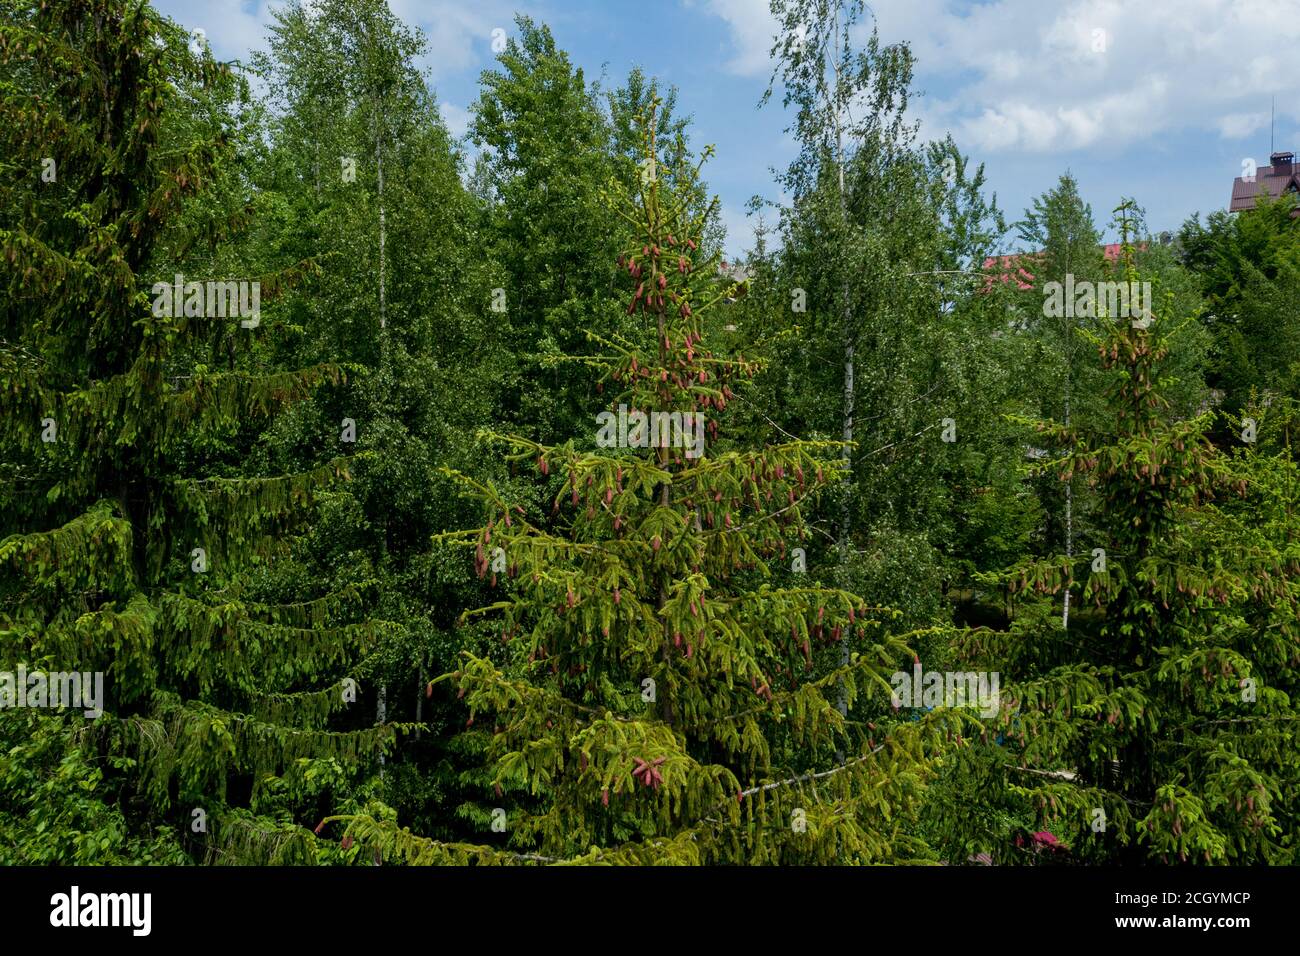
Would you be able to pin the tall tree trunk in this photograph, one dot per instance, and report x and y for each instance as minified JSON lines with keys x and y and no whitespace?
{"x":664,"y":706}
{"x":844,"y":544}
{"x":381,"y":715}
{"x":383,"y":238}
{"x":1069,"y":482}
{"x":1069,"y":510}
{"x":381,"y":709}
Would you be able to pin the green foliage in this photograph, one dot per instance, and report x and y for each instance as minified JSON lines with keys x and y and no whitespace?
{"x":1169,"y":706}
{"x":245,"y":529}
{"x":58,"y":806}
{"x":651,"y":574}
{"x":136,"y":565}
{"x":1248,"y":269}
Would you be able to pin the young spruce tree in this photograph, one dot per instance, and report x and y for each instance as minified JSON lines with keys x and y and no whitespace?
{"x":653,"y":700}
{"x":1162,"y":725}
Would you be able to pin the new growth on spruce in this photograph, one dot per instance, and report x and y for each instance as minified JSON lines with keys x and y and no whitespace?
{"x":664,"y":690}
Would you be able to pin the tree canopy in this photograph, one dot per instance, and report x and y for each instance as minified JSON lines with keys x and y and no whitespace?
{"x":370,"y":494}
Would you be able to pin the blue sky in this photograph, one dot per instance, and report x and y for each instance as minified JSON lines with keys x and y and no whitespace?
{"x":1162,"y":100}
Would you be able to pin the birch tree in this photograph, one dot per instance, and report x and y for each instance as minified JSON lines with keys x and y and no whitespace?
{"x":850,"y":103}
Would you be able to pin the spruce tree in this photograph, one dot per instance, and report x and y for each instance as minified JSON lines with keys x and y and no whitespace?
{"x":136,"y":544}
{"x":1162,"y":725}
{"x":654,"y":698}
{"x":442,"y":367}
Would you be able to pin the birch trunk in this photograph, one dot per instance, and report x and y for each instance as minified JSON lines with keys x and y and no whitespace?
{"x":846,"y":488}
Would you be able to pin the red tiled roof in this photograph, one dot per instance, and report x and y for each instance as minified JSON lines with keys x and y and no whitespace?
{"x":1007,"y":269}
{"x":1281,"y":177}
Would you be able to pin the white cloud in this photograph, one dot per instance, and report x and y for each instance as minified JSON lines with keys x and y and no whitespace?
{"x":1241,"y":125}
{"x":230,"y":28}
{"x":1166,"y":66}
{"x":1028,"y":76}
{"x":752,"y":31}
{"x":456,"y":118}
{"x":740,"y":230}
{"x":459,"y":34}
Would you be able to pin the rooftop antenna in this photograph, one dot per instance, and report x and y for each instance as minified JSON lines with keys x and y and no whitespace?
{"x":1272,"y":114}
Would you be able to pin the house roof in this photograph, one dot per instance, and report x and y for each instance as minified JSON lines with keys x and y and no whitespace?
{"x":1281,"y":176}
{"x":1012,"y":268}
{"x":1113,"y":250}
